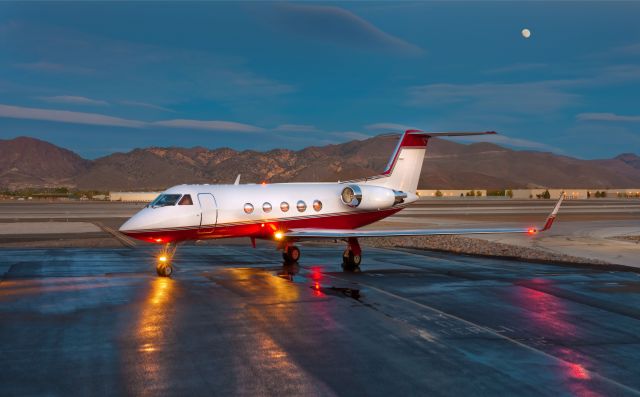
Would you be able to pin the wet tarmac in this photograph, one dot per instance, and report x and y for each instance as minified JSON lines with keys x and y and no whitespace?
{"x":234,"y":321}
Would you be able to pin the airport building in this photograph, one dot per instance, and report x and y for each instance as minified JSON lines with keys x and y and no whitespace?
{"x":526,"y":194}
{"x":133,"y":197}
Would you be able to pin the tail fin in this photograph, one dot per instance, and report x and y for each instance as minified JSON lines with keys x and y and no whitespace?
{"x":405,"y":164}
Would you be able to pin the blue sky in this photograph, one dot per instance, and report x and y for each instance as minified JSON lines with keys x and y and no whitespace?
{"x":105,"y":77}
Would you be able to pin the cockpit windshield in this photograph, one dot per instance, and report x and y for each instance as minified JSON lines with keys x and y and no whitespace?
{"x":165,"y":200}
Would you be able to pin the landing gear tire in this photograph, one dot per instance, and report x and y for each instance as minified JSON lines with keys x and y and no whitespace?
{"x":291,"y":255}
{"x":164,"y":269}
{"x":350,"y":261}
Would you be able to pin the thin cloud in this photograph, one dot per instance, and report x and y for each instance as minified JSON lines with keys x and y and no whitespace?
{"x":212,"y":125}
{"x":351,"y":135}
{"x":517,"y":67}
{"x":65,"y":116}
{"x":528,"y":97}
{"x":509,"y":141}
{"x":50,"y":67}
{"x":606,"y":117}
{"x":630,"y":49}
{"x":296,"y":128}
{"x":340,"y":26}
{"x":152,"y":69}
{"x":73,"y":100}
{"x":389,"y":127}
{"x":146,"y":105}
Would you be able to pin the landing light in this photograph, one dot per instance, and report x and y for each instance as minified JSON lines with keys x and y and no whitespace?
{"x":162,"y":258}
{"x":531,"y":230}
{"x":278,"y":235}
{"x":158,"y":240}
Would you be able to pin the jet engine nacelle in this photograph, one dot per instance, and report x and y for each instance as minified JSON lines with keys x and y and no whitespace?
{"x":371,"y":197}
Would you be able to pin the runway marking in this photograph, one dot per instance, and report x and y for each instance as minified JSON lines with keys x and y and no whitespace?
{"x":488,"y":330}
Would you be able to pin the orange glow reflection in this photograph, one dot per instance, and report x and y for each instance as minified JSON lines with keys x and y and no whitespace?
{"x":257,"y":282}
{"x":151,"y":329}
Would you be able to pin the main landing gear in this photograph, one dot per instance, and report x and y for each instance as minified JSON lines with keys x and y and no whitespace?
{"x":291,"y":254}
{"x":352,"y":256}
{"x":164,"y":264}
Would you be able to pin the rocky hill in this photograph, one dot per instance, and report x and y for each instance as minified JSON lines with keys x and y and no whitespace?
{"x":28,"y":162}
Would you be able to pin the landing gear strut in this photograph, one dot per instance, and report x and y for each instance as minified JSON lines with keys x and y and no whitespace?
{"x":164,"y":265}
{"x":352,"y":256}
{"x":291,"y":254}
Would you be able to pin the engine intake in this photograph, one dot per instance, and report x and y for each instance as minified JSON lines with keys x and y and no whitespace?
{"x":351,"y":195}
{"x":371,"y":197}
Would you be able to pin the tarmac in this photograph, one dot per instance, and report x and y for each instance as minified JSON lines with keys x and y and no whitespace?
{"x":92,"y":318}
{"x":235,"y":321}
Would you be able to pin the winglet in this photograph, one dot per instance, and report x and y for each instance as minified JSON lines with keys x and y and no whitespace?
{"x":237,"y":182}
{"x":553,"y":214}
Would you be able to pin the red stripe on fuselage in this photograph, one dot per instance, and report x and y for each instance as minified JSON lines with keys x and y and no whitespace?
{"x":262,"y":230}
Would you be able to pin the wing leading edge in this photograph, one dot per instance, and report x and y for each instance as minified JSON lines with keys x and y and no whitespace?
{"x":346,"y":233}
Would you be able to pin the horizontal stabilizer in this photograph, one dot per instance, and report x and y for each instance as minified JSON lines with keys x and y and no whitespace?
{"x":451,"y":133}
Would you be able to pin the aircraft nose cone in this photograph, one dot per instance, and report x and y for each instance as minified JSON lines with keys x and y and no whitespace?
{"x":134,"y":223}
{"x":127,"y":226}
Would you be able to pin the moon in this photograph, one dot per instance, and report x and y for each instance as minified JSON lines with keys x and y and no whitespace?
{"x":526,"y":33}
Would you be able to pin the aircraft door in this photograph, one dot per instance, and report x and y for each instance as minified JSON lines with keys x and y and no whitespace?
{"x":209,"y":210}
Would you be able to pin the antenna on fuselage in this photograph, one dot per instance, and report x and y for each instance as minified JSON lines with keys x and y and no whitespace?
{"x":237,"y":182}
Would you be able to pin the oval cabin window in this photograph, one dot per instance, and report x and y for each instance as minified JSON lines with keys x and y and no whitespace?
{"x":248,"y":208}
{"x":301,"y":205}
{"x":266,"y":207}
{"x":284,"y":206}
{"x":317,"y":205}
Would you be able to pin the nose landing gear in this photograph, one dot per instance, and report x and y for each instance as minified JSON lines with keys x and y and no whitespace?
{"x":164,"y":265}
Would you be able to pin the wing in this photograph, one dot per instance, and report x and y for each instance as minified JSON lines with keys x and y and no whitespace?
{"x":346,"y":233}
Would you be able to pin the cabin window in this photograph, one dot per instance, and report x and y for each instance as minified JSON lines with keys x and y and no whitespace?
{"x":165,"y":200}
{"x":186,"y":200}
{"x":317,"y":205}
{"x":248,"y":208}
{"x":301,"y":205}
{"x":266,"y":207}
{"x":284,"y":206}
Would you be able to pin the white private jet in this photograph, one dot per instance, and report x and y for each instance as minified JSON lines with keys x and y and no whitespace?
{"x":291,"y":212}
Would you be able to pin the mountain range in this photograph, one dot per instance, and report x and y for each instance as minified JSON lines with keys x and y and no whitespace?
{"x":29,"y":162}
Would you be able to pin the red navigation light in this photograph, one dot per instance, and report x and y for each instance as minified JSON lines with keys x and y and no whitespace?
{"x":316,"y":273}
{"x":264,"y":183}
{"x":158,"y":240}
{"x":531,"y":230}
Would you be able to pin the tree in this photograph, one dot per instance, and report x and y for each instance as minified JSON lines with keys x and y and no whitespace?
{"x":438,"y":193}
{"x":546,"y":194}
{"x":478,"y":193}
{"x":510,"y":193}
{"x":588,"y":194}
